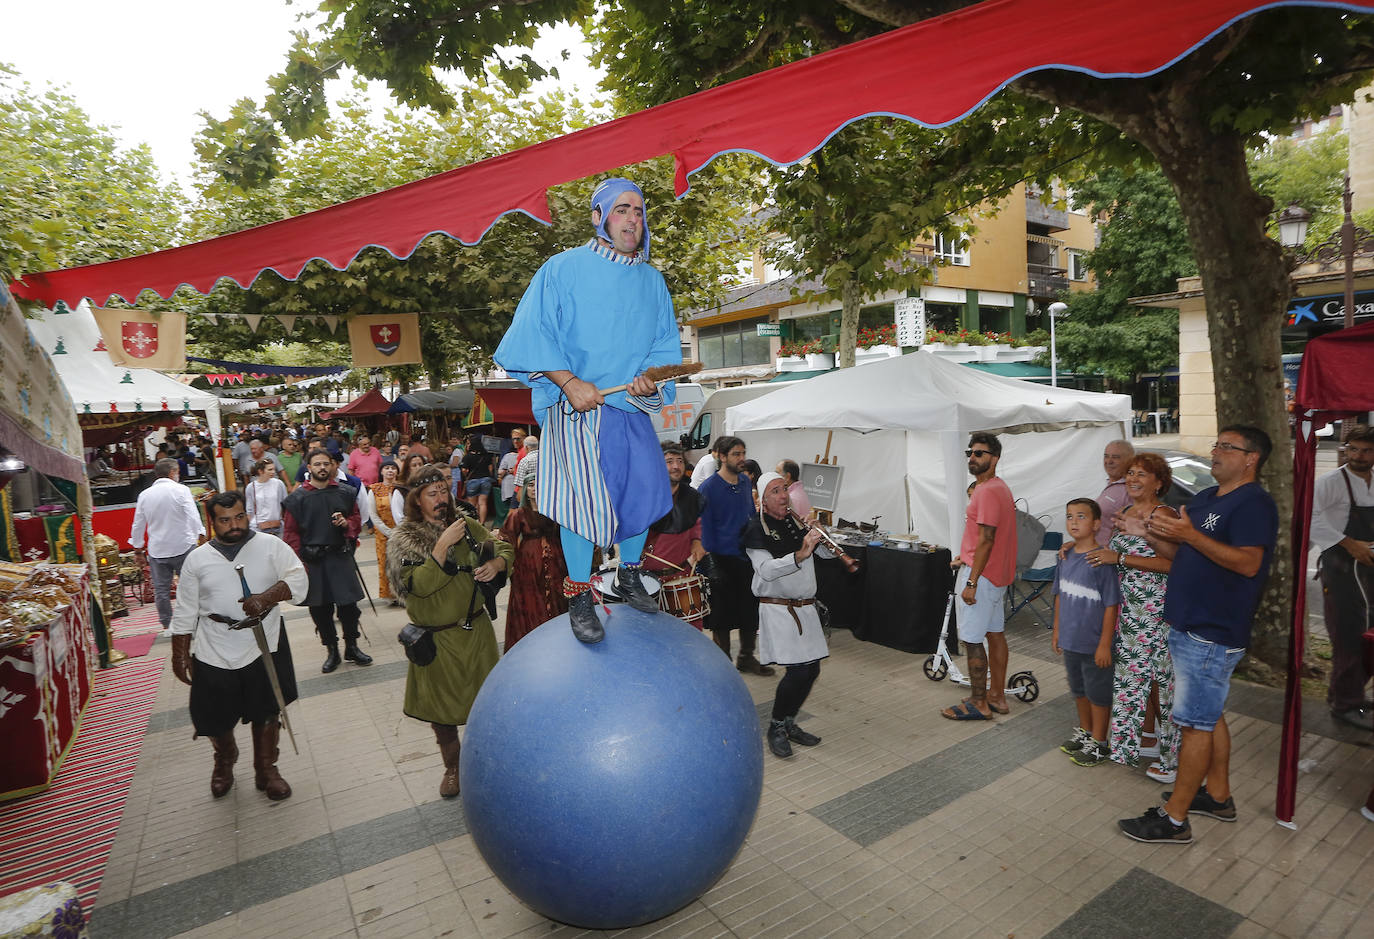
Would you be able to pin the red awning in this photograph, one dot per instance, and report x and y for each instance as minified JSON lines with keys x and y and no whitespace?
{"x":1335,"y":381}
{"x":782,"y":115}
{"x":501,"y":406}
{"x":371,"y":403}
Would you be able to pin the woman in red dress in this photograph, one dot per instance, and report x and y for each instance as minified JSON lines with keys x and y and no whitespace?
{"x":536,"y":583}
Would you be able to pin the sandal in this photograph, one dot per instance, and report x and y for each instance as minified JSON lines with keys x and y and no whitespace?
{"x":1004,"y":709}
{"x":964,"y":711}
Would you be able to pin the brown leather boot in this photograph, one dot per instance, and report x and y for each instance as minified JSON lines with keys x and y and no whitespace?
{"x":447,"y":737}
{"x":265,"y":754}
{"x":226,"y":754}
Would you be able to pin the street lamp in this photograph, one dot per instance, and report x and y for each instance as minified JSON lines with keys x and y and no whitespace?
{"x":1056,"y":310}
{"x":1293,"y":225}
{"x":1344,"y":246}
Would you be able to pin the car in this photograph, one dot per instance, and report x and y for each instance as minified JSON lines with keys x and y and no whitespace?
{"x":1192,"y":474}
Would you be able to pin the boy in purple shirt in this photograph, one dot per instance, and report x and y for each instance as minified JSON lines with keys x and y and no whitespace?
{"x":1087,"y":599}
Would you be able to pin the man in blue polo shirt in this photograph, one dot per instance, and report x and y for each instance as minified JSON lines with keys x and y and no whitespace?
{"x":1221,"y":548}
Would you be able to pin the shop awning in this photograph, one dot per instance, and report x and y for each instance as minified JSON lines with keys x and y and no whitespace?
{"x":1022,"y":370}
{"x":501,"y":406}
{"x":458,"y":400}
{"x":783,"y":115}
{"x":798,"y":376}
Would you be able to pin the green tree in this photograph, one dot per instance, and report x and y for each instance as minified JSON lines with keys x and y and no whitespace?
{"x":68,"y":194}
{"x":1143,"y":250}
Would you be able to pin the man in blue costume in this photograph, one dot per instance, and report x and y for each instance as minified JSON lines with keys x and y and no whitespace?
{"x":596,"y":317}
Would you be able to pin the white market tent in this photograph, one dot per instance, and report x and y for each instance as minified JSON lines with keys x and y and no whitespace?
{"x":98,"y":386}
{"x":900,"y":427}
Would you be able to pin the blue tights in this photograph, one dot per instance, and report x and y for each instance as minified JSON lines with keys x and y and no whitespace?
{"x":577,"y":552}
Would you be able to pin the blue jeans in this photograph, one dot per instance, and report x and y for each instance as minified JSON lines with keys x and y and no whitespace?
{"x":161,"y":570}
{"x":1202,"y":678}
{"x":479,"y":487}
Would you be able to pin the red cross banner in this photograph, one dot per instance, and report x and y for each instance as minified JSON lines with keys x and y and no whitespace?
{"x":139,"y":339}
{"x":385,"y":339}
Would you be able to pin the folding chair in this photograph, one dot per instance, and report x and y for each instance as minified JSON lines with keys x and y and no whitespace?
{"x":1031,"y":587}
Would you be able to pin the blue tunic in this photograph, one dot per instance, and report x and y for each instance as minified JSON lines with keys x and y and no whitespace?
{"x":605,"y":318}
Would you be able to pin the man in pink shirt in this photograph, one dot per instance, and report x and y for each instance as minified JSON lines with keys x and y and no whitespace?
{"x":365,"y":461}
{"x":796,"y":494}
{"x":1115,"y":458}
{"x":988,"y":556}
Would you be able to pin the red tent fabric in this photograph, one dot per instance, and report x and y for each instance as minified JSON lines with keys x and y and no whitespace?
{"x":1335,"y":382}
{"x":374,"y":402}
{"x":502,"y":406}
{"x":782,"y":115}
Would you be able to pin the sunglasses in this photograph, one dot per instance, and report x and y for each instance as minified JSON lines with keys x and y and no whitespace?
{"x":977,"y":453}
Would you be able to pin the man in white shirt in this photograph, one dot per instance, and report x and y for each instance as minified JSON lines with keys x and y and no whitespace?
{"x":167,"y":515}
{"x":708,"y":466}
{"x":1343,"y":531}
{"x":225,"y":669}
{"x":1116,"y":456}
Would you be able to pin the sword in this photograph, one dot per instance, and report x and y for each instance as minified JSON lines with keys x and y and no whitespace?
{"x":255,"y":623}
{"x":367,"y":593}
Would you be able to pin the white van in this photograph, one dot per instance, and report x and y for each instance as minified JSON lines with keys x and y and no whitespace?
{"x":710,"y":423}
{"x":676,"y":419}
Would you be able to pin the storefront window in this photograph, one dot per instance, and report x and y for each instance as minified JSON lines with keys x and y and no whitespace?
{"x":733,"y":344}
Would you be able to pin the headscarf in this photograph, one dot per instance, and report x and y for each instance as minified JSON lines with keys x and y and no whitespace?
{"x":604,"y":199}
{"x":777,"y":537}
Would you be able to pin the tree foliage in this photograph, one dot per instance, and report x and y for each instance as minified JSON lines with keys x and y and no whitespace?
{"x":68,"y":194}
{"x":466,"y":293}
{"x":1143,"y":250}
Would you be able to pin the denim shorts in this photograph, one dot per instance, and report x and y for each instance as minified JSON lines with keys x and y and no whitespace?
{"x":985,"y":615}
{"x":478,"y":487}
{"x":1202,"y":678}
{"x":1087,"y":680}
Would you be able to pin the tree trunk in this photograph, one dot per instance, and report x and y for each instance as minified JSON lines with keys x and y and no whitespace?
{"x":849,"y":323}
{"x":1245,"y":281}
{"x":405,"y":384}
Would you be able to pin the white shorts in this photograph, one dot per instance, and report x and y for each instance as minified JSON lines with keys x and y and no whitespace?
{"x":986,"y":615}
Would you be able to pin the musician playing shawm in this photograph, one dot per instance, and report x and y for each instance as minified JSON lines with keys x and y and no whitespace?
{"x":596,"y":317}
{"x":780,"y":547}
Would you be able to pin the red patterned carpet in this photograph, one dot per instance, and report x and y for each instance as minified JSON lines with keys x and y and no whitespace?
{"x":140,"y":621}
{"x":65,"y":833}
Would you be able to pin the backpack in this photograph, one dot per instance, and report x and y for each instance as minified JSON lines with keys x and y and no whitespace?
{"x":1030,"y":535}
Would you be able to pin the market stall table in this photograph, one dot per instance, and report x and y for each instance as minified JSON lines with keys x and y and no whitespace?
{"x":896,"y":599}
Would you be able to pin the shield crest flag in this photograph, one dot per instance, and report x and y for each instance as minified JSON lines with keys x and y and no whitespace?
{"x":384,"y":339}
{"x":142,"y":338}
{"x":138,"y":340}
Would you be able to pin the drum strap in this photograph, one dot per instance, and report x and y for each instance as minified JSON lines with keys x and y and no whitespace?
{"x":791,"y":607}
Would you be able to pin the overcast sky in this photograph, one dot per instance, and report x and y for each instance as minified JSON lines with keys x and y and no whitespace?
{"x":147,"y":66}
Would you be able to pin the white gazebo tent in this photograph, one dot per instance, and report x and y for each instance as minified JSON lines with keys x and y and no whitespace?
{"x":900,"y":426}
{"x":98,"y":386}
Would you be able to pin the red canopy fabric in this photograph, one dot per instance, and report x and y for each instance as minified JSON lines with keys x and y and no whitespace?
{"x":782,"y":115}
{"x":374,"y":402}
{"x":1335,"y":381}
{"x":504,"y":405}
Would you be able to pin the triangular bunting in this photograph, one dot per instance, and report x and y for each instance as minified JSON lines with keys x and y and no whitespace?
{"x":332,"y":322}
{"x":252,"y":319}
{"x":288,"y":323}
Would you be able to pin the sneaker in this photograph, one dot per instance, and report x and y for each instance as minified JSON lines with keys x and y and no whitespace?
{"x":1158,"y":773}
{"x":1092,"y":754}
{"x":1204,"y":804}
{"x":1367,"y":812}
{"x":1075,"y":743}
{"x":1154,"y":827}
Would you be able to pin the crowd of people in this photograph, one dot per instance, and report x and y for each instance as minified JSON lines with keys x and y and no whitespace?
{"x":1152,"y":606}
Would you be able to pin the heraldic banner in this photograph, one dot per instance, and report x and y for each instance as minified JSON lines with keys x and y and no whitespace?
{"x":381,"y":339}
{"x":139,"y":339}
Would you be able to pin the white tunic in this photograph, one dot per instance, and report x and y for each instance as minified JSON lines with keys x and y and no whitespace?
{"x":209,"y":584}
{"x":779,"y":641}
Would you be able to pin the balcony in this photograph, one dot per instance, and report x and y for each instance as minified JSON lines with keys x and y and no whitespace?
{"x":1038,"y":213}
{"x":1044,"y":282}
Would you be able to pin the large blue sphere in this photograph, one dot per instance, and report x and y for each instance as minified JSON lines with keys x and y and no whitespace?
{"x":609,"y":785}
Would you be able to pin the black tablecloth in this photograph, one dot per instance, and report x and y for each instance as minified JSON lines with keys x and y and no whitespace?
{"x":896,"y":599}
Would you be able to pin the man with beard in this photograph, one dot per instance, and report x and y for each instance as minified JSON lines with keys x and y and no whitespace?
{"x":729,"y":503}
{"x":435,"y":561}
{"x":320,"y":521}
{"x":1343,"y":531}
{"x":224,"y":667}
{"x":595,"y":317}
{"x":674,"y":544}
{"x":988,"y":565}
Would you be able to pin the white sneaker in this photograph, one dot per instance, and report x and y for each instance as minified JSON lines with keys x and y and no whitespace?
{"x":1365,"y":811}
{"x":1159,"y":774}
{"x":166,"y":633}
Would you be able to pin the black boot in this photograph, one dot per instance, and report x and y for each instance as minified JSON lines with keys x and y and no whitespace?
{"x":797,"y":735}
{"x":631,"y":589}
{"x":355,"y":655}
{"x":582,"y":614}
{"x":331,"y":661}
{"x":777,"y":739}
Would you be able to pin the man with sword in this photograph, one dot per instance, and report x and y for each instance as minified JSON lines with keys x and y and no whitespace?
{"x":227,"y":630}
